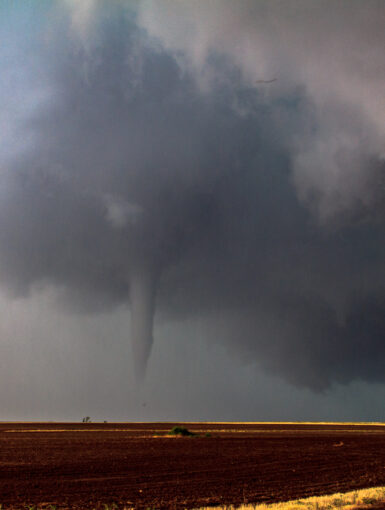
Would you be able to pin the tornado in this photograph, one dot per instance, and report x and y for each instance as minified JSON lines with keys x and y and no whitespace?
{"x":143,"y":283}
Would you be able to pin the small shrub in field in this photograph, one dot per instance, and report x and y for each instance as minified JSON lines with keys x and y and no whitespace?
{"x":181,"y":431}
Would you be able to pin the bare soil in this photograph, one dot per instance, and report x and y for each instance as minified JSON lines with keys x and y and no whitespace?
{"x":78,"y":465}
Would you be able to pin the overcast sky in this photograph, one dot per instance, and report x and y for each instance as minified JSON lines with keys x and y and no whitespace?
{"x":192,"y":221}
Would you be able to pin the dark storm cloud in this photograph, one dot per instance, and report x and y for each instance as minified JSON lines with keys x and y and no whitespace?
{"x":148,"y":180}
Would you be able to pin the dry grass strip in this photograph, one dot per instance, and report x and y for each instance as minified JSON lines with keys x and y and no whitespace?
{"x":346,"y":501}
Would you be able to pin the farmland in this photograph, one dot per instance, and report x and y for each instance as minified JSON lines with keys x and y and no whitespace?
{"x":85,"y":465}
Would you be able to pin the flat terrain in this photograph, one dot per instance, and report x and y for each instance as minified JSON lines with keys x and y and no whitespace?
{"x":76,"y":465}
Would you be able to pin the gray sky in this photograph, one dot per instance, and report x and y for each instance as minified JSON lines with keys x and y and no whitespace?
{"x":146,"y":167}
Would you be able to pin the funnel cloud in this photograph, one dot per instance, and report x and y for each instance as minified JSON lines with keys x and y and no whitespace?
{"x":219,"y":163}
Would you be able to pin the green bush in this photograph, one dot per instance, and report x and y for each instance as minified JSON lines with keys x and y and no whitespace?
{"x":369,"y":501}
{"x":180,"y":431}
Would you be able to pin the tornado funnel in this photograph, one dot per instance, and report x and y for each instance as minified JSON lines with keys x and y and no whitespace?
{"x":142,"y":301}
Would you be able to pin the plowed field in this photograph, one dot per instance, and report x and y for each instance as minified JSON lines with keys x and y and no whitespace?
{"x":136,"y":464}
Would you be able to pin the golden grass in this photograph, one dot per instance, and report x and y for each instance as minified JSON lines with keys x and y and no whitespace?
{"x":285,"y":422}
{"x":54,"y":431}
{"x":347,"y":501}
{"x":215,"y":427}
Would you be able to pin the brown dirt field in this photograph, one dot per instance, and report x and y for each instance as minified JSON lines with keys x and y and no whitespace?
{"x":375,"y":506}
{"x":76,"y":465}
